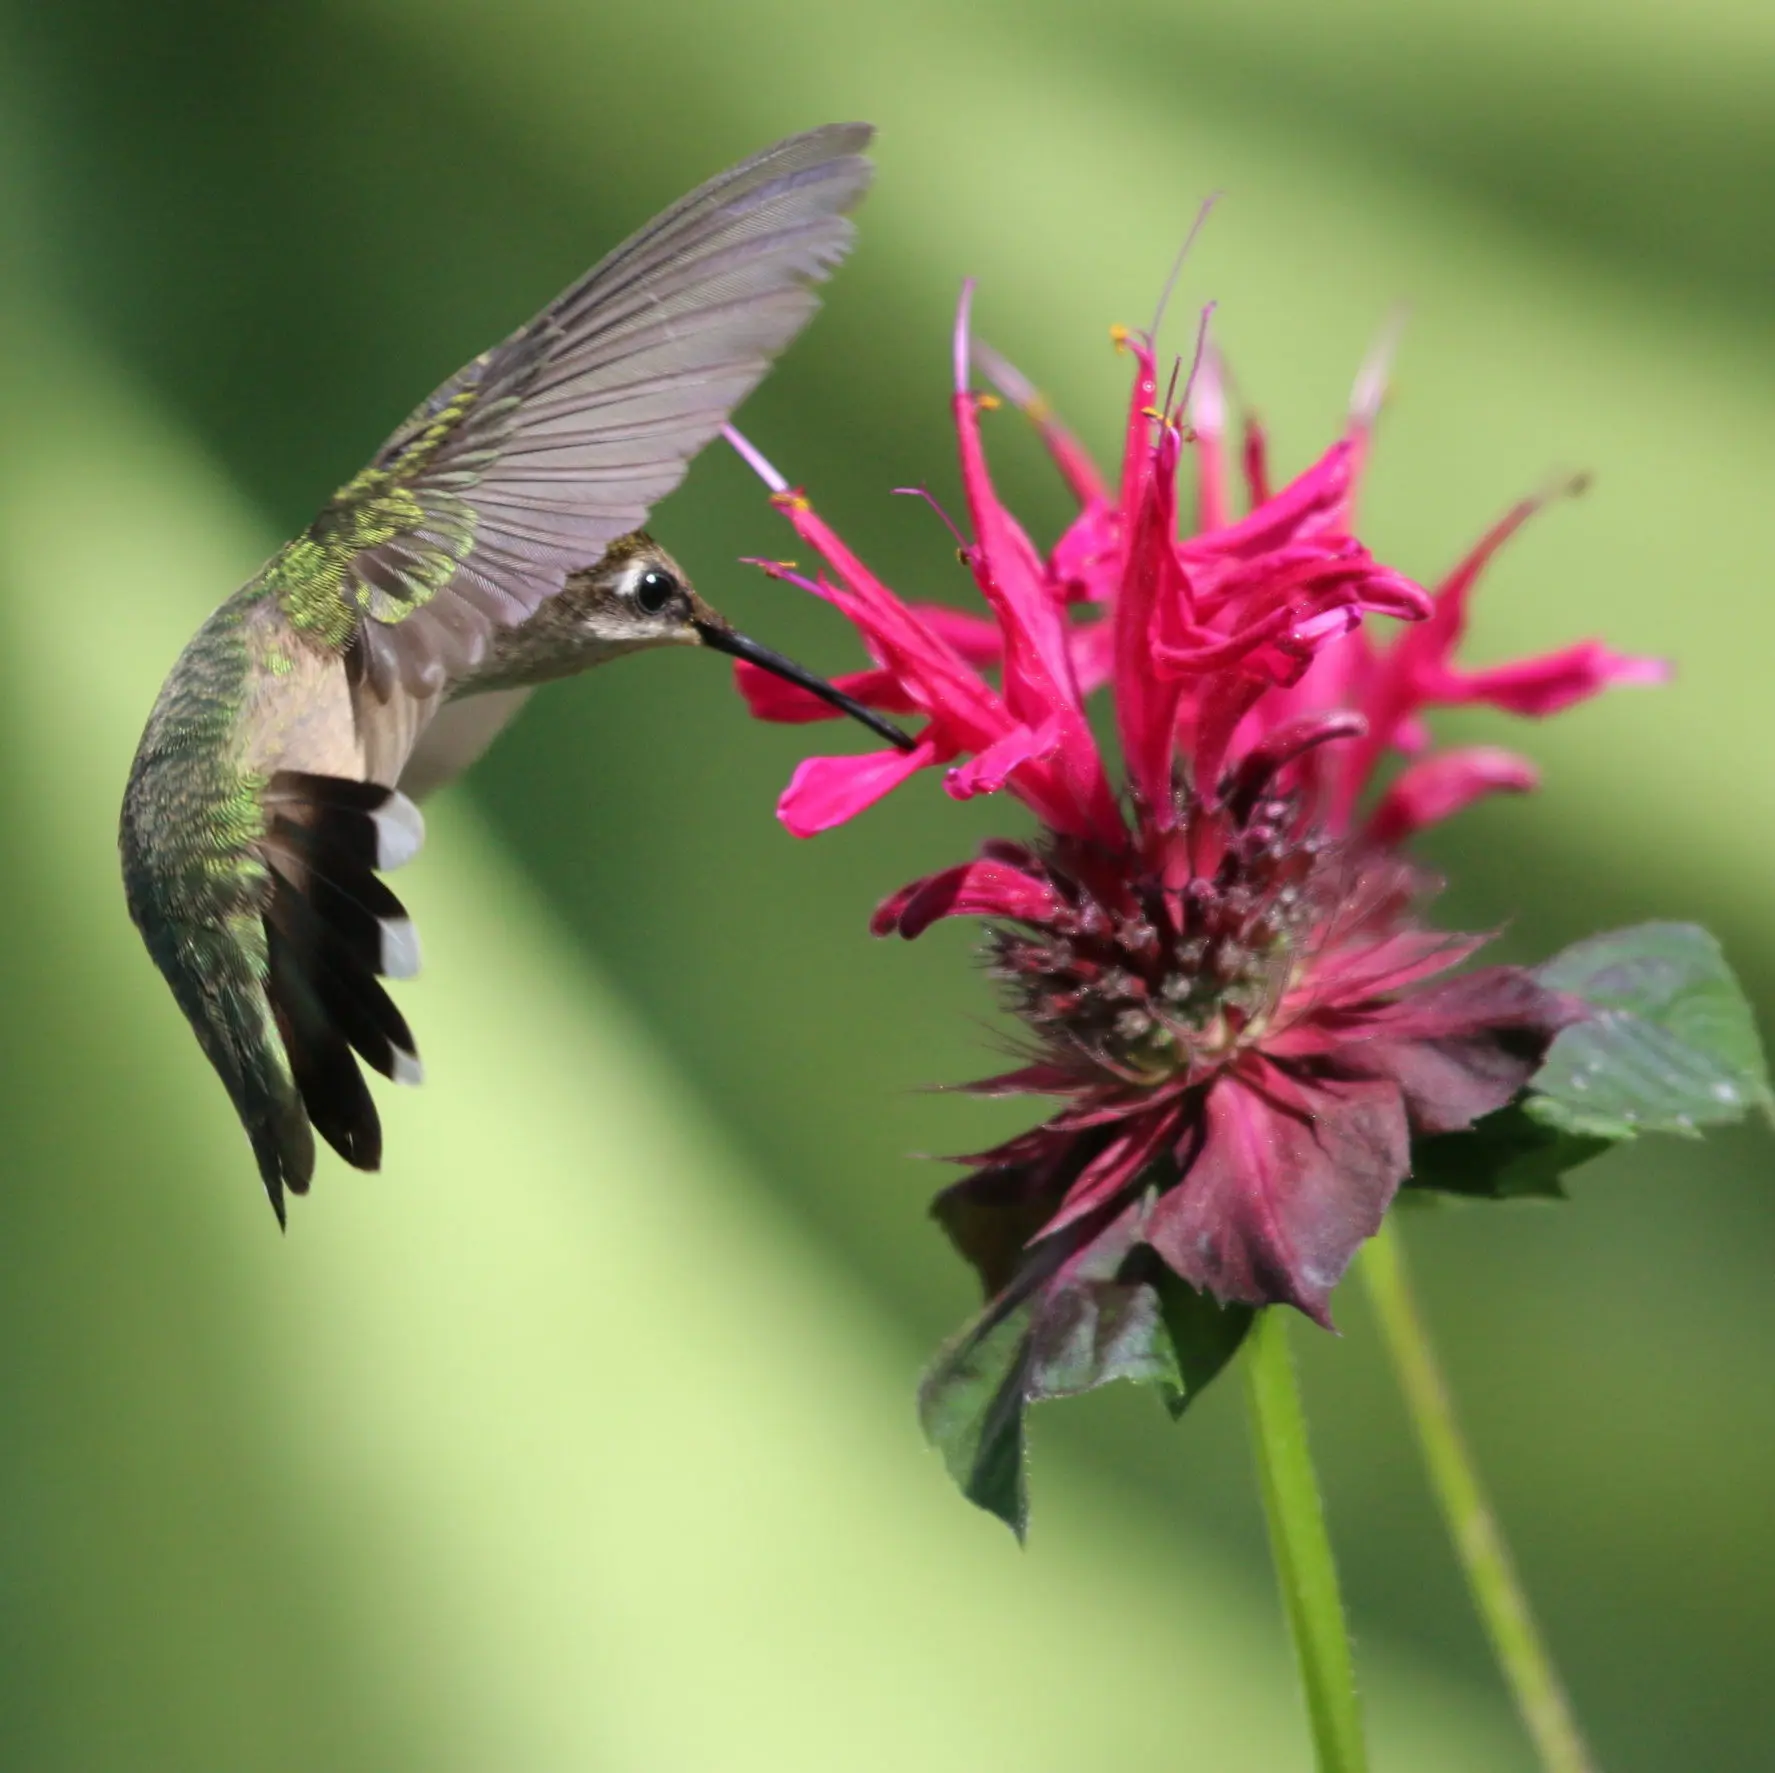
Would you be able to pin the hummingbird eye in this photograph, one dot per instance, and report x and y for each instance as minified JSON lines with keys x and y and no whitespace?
{"x":654,"y":590}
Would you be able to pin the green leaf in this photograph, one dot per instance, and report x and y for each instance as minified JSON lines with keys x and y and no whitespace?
{"x":1204,"y":1336}
{"x":971,"y":1406}
{"x":1509,"y":1155}
{"x":1673,"y":1046}
{"x":1083,"y":1313}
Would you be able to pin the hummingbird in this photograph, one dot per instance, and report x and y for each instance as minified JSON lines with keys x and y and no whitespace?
{"x":494,"y":542}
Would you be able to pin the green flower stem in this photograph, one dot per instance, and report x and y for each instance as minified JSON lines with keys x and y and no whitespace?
{"x":1478,"y":1540}
{"x":1302,"y":1548}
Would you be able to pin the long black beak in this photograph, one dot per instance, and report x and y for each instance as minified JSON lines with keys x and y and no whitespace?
{"x":726,"y":640}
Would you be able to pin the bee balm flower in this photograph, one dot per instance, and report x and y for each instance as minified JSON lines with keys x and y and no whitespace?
{"x":1219,"y":961}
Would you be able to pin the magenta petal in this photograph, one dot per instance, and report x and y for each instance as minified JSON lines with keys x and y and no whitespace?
{"x":1225,"y":702}
{"x":1443,"y":632}
{"x":988,"y":772}
{"x":1254,"y":459}
{"x":769,"y":697}
{"x":1040,"y":1079}
{"x":1372,"y":968}
{"x":1436,"y":788}
{"x":1390,"y":593}
{"x":1093,"y":654}
{"x":1207,"y":420}
{"x":1284,"y":745}
{"x":1446,"y":1084}
{"x":825,"y":791}
{"x":1277,"y":1201}
{"x":1118,"y":1164}
{"x":1463,"y":1048}
{"x":1086,"y":562}
{"x":931,"y":671}
{"x":1501,"y":997}
{"x":974,"y":638}
{"x":1333,"y":624}
{"x":981,"y":888}
{"x":1312,"y":504}
{"x":1550,"y":685}
{"x":1154,"y":597}
{"x":1006,"y":566}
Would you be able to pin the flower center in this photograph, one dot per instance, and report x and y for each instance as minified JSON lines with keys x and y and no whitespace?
{"x":1151,"y":970}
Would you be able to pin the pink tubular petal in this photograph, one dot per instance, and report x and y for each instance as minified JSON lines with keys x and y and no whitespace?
{"x":1332,"y":624}
{"x":1137,"y":434}
{"x":1207,"y":419}
{"x":1085,"y":566}
{"x":1384,"y":592}
{"x":1154,"y":597}
{"x":1224,"y":703}
{"x":769,"y":697}
{"x":1370,"y":389}
{"x":1009,"y":574}
{"x":987,"y":772}
{"x":973,"y":638}
{"x":1093,"y":655}
{"x":1550,"y":685}
{"x":1038,"y":688}
{"x":1412,"y":736}
{"x":1415,"y":672}
{"x":825,"y":791}
{"x":1438,"y":787}
{"x":930,"y":670}
{"x":960,"y":355}
{"x":1309,"y":506}
{"x":1439,"y":637}
{"x":1260,"y":765}
{"x":1254,"y":458}
{"x":981,"y":888}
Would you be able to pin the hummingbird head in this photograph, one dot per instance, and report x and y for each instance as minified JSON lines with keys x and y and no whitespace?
{"x":638,"y":596}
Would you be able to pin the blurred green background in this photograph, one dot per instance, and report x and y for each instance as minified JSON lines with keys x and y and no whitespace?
{"x":582,"y":1437}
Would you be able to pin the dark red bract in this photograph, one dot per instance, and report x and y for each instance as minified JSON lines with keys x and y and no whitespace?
{"x":1220,"y":964}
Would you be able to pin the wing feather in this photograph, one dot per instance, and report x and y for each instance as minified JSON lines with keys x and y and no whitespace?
{"x":544,"y":450}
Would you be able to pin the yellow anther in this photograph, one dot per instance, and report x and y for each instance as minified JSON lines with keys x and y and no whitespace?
{"x":1119,"y":336}
{"x":791,"y":501}
{"x":987,"y":402}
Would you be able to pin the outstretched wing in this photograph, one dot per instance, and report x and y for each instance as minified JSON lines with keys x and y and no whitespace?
{"x":529,"y":462}
{"x":550,"y":446}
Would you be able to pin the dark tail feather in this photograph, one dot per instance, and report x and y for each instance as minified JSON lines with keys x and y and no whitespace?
{"x":284,"y":1147}
{"x":217,"y":974}
{"x":331,"y":928}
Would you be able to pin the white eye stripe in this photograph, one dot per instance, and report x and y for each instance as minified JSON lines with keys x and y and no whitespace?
{"x":651,"y":598}
{"x":632,"y":575}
